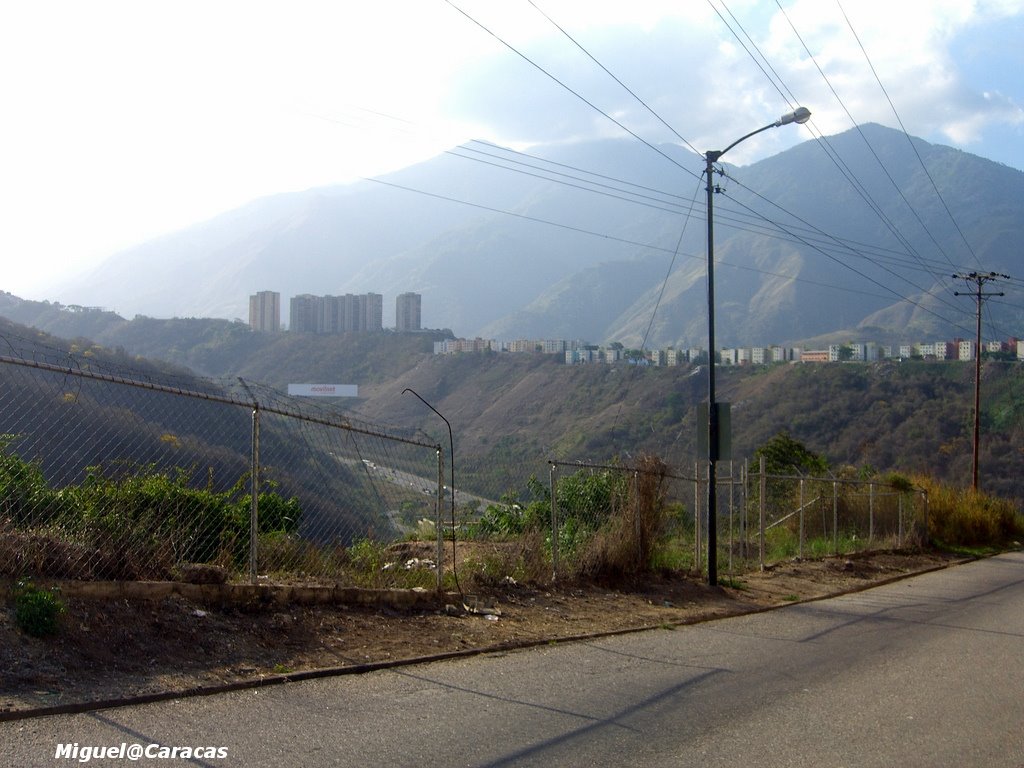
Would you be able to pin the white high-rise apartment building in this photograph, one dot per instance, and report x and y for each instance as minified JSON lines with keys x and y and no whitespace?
{"x":265,"y":311}
{"x":407,"y":312}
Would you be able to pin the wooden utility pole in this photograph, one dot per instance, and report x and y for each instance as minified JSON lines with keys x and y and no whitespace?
{"x":979,"y":280}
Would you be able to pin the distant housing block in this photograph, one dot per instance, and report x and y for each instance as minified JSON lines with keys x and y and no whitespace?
{"x":304,"y":313}
{"x":407,"y":312}
{"x":265,"y":311}
{"x":336,"y":314}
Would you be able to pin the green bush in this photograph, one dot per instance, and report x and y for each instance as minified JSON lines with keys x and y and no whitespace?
{"x":37,"y":611}
{"x":24,"y":495}
{"x":143,"y":519}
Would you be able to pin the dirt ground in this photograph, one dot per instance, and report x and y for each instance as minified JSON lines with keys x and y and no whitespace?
{"x":112,"y":650}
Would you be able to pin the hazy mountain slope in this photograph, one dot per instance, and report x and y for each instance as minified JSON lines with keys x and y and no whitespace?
{"x":893,"y":273}
{"x":563,"y":247}
{"x":580,"y":306}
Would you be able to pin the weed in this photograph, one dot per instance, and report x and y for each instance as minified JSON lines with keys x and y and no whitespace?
{"x":37,"y":611}
{"x":733,"y":583}
{"x":672,"y":555}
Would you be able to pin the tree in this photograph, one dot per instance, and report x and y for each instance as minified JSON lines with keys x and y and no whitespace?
{"x":786,"y":455}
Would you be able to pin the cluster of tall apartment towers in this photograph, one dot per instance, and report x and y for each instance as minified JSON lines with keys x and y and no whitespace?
{"x":332,"y":314}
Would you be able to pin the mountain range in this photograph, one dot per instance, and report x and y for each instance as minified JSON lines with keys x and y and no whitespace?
{"x":857,"y":235}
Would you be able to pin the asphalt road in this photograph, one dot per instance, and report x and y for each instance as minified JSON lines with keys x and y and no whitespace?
{"x":924,"y":672}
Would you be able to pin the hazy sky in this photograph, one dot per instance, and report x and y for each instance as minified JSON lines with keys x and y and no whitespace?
{"x":125,"y":120}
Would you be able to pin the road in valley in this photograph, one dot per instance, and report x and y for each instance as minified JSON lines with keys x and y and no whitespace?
{"x":924,"y":672}
{"x":415,"y":483}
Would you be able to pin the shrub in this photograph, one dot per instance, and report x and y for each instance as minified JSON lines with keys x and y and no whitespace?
{"x":25,"y":496}
{"x":625,"y":543}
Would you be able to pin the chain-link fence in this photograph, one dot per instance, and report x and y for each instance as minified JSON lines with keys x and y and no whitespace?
{"x":105,"y":475}
{"x":815,"y":516}
{"x":113,"y":470}
{"x":614,"y":520}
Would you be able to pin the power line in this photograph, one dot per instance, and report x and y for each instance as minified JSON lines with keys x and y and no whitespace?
{"x":616,"y":79}
{"x":660,"y":152}
{"x":881,"y":165}
{"x":589,"y":103}
{"x":790,"y":99}
{"x":625,"y":241}
{"x":904,"y":129}
{"x":739,"y":220}
{"x":575,"y":93}
{"x":824,"y":143}
{"x":858,"y":272}
{"x":657,"y":305}
{"x":604,"y":189}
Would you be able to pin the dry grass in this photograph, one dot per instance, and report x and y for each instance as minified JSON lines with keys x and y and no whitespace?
{"x":624,"y":546}
{"x":963,"y":517}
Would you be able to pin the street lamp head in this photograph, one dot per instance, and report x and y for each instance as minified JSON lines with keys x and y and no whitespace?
{"x":799,"y":115}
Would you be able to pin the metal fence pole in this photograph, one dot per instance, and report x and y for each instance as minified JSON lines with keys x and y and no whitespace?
{"x":800,"y":550}
{"x":745,"y":471}
{"x":636,"y":505}
{"x":871,"y":513}
{"x":440,"y":524}
{"x":554,"y":521}
{"x":835,"y":517}
{"x":732,"y":524}
{"x":762,"y":508}
{"x":254,"y":492}
{"x":927,"y":534}
{"x":696,"y":516}
{"x":899,"y":518}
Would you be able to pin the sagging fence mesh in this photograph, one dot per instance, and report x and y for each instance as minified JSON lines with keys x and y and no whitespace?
{"x":108,"y":477}
{"x":114,"y":472}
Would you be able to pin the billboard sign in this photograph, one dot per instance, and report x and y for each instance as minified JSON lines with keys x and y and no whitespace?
{"x":323,"y":390}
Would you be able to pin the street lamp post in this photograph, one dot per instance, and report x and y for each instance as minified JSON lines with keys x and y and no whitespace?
{"x":440,"y":499}
{"x":799,"y":115}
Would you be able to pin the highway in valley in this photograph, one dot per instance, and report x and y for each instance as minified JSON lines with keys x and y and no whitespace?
{"x":928,"y":671}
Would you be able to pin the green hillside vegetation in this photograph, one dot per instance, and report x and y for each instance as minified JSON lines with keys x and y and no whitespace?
{"x":71,"y":429}
{"x":69,"y":494}
{"x":212,"y":347}
{"x":135,"y":526}
{"x":224,"y":348}
{"x":69,"y":322}
{"x":512,"y":412}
